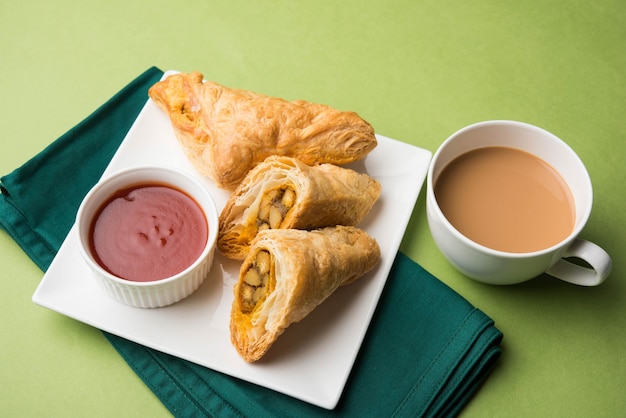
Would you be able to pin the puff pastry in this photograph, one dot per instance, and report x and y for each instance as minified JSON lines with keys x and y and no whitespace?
{"x":283,"y":192}
{"x":287,"y":274}
{"x":225,"y":132}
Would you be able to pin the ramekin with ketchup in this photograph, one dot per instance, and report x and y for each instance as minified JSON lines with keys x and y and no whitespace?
{"x":148,"y":233}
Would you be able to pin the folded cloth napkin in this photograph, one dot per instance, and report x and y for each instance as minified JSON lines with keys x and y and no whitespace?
{"x":427,"y":350}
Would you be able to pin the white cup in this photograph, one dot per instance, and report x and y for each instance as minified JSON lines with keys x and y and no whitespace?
{"x":498,"y":267}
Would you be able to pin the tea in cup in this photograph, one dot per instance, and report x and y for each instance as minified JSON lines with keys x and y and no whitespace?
{"x":506,"y":202}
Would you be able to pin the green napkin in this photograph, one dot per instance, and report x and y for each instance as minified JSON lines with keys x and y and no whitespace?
{"x":426,"y":352}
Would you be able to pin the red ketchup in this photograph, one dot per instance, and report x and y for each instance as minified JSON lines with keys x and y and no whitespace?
{"x":148,"y":232}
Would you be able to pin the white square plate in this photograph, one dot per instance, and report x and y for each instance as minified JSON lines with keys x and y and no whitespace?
{"x":311,"y":361}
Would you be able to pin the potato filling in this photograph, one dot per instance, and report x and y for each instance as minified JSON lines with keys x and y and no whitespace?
{"x":255,"y":281}
{"x":275,"y":205}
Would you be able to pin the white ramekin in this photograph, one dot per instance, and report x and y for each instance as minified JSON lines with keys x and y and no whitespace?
{"x":161,"y":292}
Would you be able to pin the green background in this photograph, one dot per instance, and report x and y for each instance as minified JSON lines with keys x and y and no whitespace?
{"x":418,"y":71}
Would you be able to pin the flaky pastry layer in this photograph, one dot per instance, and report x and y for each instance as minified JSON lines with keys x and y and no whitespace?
{"x":287,"y":274}
{"x":285,"y":193}
{"x":225,"y":132}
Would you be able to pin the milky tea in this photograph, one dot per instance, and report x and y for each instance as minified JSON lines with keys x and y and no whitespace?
{"x":506,"y":199}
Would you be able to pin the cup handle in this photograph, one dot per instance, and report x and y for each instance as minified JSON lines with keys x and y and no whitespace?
{"x":599,"y":261}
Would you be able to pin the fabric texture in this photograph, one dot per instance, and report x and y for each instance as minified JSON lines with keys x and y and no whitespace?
{"x":426,"y":353}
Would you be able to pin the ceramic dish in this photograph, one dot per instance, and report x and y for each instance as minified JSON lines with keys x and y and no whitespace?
{"x":311,"y":361}
{"x":166,"y":290}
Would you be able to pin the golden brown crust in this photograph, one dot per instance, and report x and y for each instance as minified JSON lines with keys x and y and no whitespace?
{"x":309,"y":267}
{"x":325,"y":195}
{"x":225,"y":132}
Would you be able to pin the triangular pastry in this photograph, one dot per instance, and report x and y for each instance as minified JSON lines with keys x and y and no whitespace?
{"x":225,"y":132}
{"x":285,"y":193}
{"x":287,"y":274}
